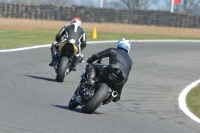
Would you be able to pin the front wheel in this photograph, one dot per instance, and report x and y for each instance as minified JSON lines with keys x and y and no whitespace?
{"x":97,"y":99}
{"x":72,"y":103}
{"x":62,"y":67}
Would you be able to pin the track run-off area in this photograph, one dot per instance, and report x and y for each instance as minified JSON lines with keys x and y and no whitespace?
{"x":152,"y":101}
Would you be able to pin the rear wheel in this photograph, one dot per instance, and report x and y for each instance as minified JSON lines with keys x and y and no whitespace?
{"x":97,"y":99}
{"x":62,"y":67}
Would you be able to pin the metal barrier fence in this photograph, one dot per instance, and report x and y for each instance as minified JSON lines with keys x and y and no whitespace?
{"x":91,"y":14}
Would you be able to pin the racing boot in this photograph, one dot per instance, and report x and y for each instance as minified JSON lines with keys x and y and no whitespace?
{"x":90,"y":75}
{"x":74,"y":63}
{"x":54,"y":60}
{"x":81,"y":59}
{"x":74,"y":68}
{"x":54,"y":55}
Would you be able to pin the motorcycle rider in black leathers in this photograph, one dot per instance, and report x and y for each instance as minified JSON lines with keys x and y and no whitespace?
{"x":118,"y":58}
{"x":72,"y":31}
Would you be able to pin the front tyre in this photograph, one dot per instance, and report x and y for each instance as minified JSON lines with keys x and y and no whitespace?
{"x":72,"y":103}
{"x":62,"y":67}
{"x":97,"y":99}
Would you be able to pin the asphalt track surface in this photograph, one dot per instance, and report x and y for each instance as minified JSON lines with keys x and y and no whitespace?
{"x":32,"y":102}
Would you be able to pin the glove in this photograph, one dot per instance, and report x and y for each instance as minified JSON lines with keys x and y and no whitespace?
{"x":117,"y":98}
{"x":56,"y":44}
{"x":90,"y":60}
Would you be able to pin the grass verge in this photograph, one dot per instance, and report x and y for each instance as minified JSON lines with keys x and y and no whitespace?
{"x":193,"y":100}
{"x":18,"y":38}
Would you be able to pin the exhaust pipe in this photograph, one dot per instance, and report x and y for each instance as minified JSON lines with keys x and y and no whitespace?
{"x":114,"y":94}
{"x":110,"y":97}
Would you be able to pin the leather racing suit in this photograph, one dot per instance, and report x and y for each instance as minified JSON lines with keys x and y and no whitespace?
{"x":118,"y":58}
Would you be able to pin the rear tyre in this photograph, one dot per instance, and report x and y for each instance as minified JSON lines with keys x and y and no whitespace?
{"x":97,"y":99}
{"x":62,"y":67}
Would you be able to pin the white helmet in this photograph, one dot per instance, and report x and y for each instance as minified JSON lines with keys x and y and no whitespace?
{"x":124,"y":44}
{"x":76,"y":20}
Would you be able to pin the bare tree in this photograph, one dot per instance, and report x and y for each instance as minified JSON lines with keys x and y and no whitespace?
{"x":92,"y":3}
{"x":3,"y":1}
{"x":20,"y":1}
{"x":35,"y":2}
{"x":138,"y":4}
{"x":46,"y":2}
{"x":191,"y":7}
{"x":115,"y":5}
{"x":58,"y":2}
{"x":187,"y":7}
{"x":146,"y":4}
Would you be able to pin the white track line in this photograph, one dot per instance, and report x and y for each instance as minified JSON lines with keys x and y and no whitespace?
{"x":25,"y":48}
{"x":49,"y":45}
{"x":95,"y":42}
{"x":182,"y":96}
{"x":182,"y":102}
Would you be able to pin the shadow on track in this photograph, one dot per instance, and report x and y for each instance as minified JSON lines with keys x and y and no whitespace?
{"x":66,"y":107}
{"x":43,"y":78}
{"x":75,"y":110}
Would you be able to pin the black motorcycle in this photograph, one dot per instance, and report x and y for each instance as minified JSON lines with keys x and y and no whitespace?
{"x":66,"y":52}
{"x":91,"y":97}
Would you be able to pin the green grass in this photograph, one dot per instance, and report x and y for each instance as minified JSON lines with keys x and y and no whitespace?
{"x":193,"y":100}
{"x":15,"y":39}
